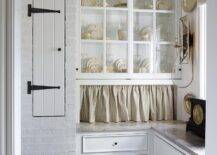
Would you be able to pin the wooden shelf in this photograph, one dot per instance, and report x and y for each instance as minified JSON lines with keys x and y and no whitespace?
{"x":143,"y":10}
{"x":117,"y":41}
{"x":165,"y":43}
{"x":142,"y":42}
{"x":152,"y":11}
{"x":116,"y":9}
{"x":91,"y":41}
{"x":165,"y":11}
{"x":102,"y":8}
{"x":91,"y":8}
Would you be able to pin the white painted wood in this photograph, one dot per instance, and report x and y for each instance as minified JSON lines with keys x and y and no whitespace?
{"x":48,"y":62}
{"x":130,"y":37}
{"x":101,"y":143}
{"x":139,"y":143}
{"x":163,"y":148}
{"x":211,"y":73}
{"x":114,"y":143}
{"x":3,"y":77}
{"x":124,"y":82}
{"x":12,"y":55}
{"x":104,"y":36}
{"x":130,"y":10}
{"x":151,"y":137}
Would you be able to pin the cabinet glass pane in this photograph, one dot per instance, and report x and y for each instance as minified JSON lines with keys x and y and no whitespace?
{"x":143,"y":26}
{"x":92,"y":24}
{"x":91,"y":57}
{"x":142,"y":58}
{"x":116,"y":3}
{"x":116,"y":58}
{"x":93,"y":3}
{"x":165,"y":4}
{"x":165,"y":58}
{"x":143,"y":4}
{"x":165,"y":27}
{"x":116,"y":25}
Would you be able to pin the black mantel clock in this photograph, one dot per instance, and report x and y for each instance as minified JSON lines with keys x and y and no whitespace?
{"x":196,"y":123}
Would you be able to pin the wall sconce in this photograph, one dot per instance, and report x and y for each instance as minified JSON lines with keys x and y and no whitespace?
{"x":186,"y":40}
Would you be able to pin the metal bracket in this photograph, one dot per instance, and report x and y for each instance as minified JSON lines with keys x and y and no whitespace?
{"x":31,"y":87}
{"x":39,"y":10}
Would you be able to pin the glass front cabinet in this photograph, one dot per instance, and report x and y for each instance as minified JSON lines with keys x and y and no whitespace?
{"x":128,"y":39}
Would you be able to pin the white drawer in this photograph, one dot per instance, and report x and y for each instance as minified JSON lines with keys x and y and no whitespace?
{"x":115,"y":143}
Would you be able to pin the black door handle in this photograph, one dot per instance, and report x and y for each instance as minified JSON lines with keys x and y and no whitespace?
{"x":40,"y":10}
{"x":31,"y":87}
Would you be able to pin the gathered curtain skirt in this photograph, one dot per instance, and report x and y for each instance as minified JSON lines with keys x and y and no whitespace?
{"x":126,"y":103}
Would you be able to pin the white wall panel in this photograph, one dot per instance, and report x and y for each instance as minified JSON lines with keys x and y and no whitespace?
{"x":48,"y":62}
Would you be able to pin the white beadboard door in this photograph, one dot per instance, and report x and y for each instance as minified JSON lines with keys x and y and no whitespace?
{"x":48,"y":61}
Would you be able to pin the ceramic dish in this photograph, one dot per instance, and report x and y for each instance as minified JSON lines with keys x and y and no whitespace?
{"x":164,"y":5}
{"x":92,"y":32}
{"x":145,"y":33}
{"x":91,"y":3}
{"x":120,"y":65}
{"x":93,"y":66}
{"x":144,"y":66}
{"x":189,"y":5}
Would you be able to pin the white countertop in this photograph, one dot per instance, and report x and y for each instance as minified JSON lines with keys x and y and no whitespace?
{"x":174,"y":131}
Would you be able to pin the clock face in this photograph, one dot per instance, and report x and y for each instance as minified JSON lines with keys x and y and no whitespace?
{"x":198,"y":115}
{"x":187,"y":103}
{"x":187,"y":106}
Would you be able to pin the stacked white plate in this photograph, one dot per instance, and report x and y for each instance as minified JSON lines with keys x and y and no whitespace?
{"x":93,"y":66}
{"x":164,"y":5}
{"x":120,"y":65}
{"x":144,"y":66}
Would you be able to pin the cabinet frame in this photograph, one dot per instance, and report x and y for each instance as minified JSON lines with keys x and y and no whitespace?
{"x":130,"y":75}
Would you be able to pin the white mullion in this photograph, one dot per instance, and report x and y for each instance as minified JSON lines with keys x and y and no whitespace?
{"x":153,"y":68}
{"x":80,"y":42}
{"x":104,"y":36}
{"x":130,"y":36}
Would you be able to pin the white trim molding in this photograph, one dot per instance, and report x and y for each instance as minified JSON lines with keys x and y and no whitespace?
{"x":10,"y":78}
{"x":2,"y":78}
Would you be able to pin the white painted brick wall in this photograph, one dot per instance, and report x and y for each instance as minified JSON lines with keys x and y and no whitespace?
{"x":49,"y":136}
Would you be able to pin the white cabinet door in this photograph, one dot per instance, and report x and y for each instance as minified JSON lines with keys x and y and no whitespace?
{"x":163,"y":148}
{"x":48,"y":61}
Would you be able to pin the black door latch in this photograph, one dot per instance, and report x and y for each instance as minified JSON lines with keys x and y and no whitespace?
{"x":31,"y":87}
{"x":39,"y":10}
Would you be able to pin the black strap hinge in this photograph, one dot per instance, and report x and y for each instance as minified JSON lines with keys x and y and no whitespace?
{"x":31,"y":87}
{"x":39,"y":10}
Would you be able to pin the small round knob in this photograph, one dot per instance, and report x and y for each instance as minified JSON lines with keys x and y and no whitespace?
{"x":59,"y":49}
{"x":76,"y":69}
{"x":115,"y":144}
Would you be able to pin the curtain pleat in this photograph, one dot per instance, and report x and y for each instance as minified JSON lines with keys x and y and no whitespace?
{"x":126,"y":103}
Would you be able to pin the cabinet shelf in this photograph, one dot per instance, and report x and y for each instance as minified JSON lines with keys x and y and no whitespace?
{"x":110,"y":41}
{"x":143,"y":10}
{"x":102,"y":8}
{"x":142,"y":42}
{"x":152,"y":11}
{"x":165,"y":43}
{"x":165,"y":11}
{"x":91,"y":8}
{"x":117,"y":41}
{"x":116,"y":9}
{"x":91,"y":41}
